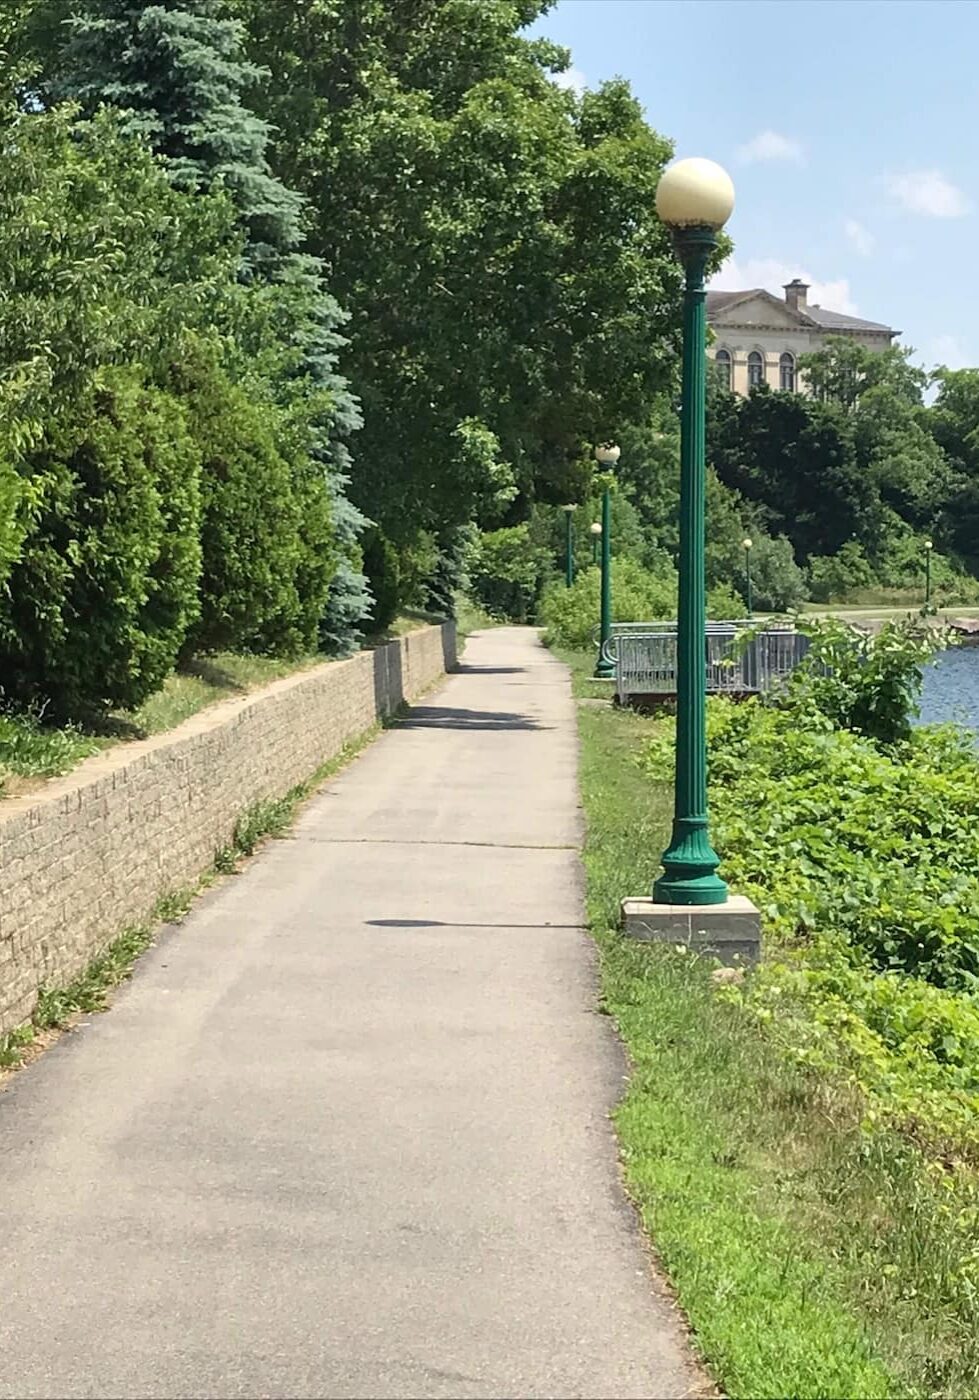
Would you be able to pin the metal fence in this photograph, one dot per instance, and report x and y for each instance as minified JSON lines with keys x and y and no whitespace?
{"x":645,"y":657}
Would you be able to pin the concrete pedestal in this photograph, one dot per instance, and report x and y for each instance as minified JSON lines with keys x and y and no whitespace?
{"x":730,"y":932}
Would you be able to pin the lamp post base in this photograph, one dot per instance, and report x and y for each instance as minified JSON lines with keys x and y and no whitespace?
{"x":605,"y":670}
{"x":729,"y":931}
{"x":690,"y":891}
{"x":690,"y":866}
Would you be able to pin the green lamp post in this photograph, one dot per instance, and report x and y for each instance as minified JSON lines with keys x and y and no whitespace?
{"x":595,"y":531}
{"x":747,"y":571}
{"x":694,"y":199}
{"x":568,"y":546}
{"x":606,"y":456}
{"x":928,"y":548}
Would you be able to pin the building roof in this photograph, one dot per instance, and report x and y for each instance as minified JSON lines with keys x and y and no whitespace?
{"x":832,"y":320}
{"x":808,"y":316}
{"x":716,"y":301}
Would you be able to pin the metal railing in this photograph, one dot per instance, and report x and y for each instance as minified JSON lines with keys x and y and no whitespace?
{"x":645,"y":657}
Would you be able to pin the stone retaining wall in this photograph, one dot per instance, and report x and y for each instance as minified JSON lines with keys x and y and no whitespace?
{"x":93,"y":852}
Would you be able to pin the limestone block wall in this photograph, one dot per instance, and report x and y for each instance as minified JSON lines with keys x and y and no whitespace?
{"x":93,"y":852}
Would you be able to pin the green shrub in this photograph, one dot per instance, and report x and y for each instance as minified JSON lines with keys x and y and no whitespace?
{"x":106,"y":587}
{"x":383,"y":577}
{"x":505,"y":572}
{"x":864,"y":859}
{"x":835,"y":577}
{"x":265,"y":535}
{"x":777,"y":582}
{"x":870,"y":684}
{"x":571,"y":615}
{"x":724,"y":603}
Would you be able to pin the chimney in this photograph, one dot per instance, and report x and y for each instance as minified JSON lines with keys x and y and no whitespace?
{"x":795,"y":293}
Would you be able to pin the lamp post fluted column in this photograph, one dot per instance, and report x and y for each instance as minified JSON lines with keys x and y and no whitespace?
{"x":747,"y":572}
{"x":607,"y":457}
{"x":928,"y":549}
{"x":568,"y":546}
{"x":695,"y":198}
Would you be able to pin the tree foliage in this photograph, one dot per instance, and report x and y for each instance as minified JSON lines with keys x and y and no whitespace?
{"x":178,"y":73}
{"x":492,"y":236}
{"x":107,"y":517}
{"x":100,"y":601}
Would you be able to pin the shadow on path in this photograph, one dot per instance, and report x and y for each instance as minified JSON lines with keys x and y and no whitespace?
{"x":441,"y":923}
{"x":466,"y":670}
{"x":442,"y":717}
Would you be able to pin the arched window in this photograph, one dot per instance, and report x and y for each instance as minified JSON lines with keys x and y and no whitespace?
{"x":756,"y":369}
{"x":786,"y":372}
{"x":723,"y":361}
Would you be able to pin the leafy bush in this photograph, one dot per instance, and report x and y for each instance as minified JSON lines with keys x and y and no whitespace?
{"x":724,"y":603}
{"x":571,"y":615}
{"x":382,"y":571}
{"x":505,"y":572}
{"x":870,"y":684}
{"x":864,"y":860}
{"x":265,"y":531}
{"x":835,"y":577}
{"x":106,"y":587}
{"x":777,"y":582}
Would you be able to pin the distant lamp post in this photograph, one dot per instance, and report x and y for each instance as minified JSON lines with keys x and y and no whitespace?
{"x":694,"y":198}
{"x":596,"y":534}
{"x":568,"y":546}
{"x":606,"y":456}
{"x":747,"y":570}
{"x":928,"y":548}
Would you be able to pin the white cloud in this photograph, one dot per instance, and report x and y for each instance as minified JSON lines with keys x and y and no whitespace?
{"x":772,"y":274}
{"x":927,"y":192}
{"x":948,"y":350}
{"x":573,"y":79}
{"x":861,"y":238}
{"x":770,"y":145}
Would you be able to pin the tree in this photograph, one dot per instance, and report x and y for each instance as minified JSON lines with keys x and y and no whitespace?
{"x":954,"y":422}
{"x":101,"y":533}
{"x":178,"y":72}
{"x":842,"y":371}
{"x":101,"y":598}
{"x":493,"y":236}
{"x":796,"y":460}
{"x":264,"y":579}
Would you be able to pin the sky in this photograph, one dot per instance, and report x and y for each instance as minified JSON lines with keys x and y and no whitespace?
{"x":850,"y":129}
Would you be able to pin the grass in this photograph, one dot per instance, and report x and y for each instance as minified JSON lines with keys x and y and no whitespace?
{"x":203,"y":682}
{"x":411,"y":620}
{"x":90,"y":992}
{"x":811,"y":1258}
{"x":31,"y":749}
{"x":470,"y":617}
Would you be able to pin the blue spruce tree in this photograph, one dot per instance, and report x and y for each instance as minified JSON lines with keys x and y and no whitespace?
{"x":176,"y":69}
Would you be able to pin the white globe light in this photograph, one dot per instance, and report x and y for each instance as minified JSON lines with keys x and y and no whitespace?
{"x":746,"y":543}
{"x":695,"y":193}
{"x":608,"y":454}
{"x":596,"y":529}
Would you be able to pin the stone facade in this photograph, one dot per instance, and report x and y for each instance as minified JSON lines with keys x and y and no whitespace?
{"x":759,"y":338}
{"x":91,"y":853}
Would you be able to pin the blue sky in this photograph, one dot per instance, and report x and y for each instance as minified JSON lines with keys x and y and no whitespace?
{"x":850,"y":128}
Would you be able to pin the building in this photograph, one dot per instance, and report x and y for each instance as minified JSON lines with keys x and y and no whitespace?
{"x":758,"y":338}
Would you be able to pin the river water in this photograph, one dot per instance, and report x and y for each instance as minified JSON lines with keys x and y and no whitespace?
{"x":951,"y":688}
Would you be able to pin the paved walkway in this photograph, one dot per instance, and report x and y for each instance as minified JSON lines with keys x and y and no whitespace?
{"x":345,"y":1133}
